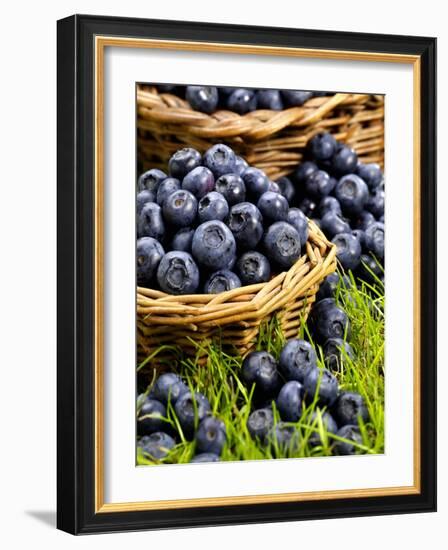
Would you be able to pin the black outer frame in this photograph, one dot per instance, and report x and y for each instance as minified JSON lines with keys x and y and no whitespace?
{"x":75,"y":173}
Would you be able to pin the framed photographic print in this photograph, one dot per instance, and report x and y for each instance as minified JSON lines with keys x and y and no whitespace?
{"x":247,"y":274}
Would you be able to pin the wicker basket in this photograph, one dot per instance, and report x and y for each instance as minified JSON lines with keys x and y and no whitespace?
{"x":235,"y":316}
{"x":271,"y":140}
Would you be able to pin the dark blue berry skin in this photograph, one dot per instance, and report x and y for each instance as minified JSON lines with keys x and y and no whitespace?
{"x":143,"y":198}
{"x":350,"y":433}
{"x":296,"y":359}
{"x":150,"y":180}
{"x":348,"y":250}
{"x":304,"y":171}
{"x":202,"y":98}
{"x":361,"y":236}
{"x":182,"y":239}
{"x":274,"y":187}
{"x":298,"y":220}
{"x":252,"y":268}
{"x":211,"y":436}
{"x":260,"y":423}
{"x":256,"y":182}
{"x":364,"y":219}
{"x":324,"y":383}
{"x":157,"y":445}
{"x":328,"y":424}
{"x":178,"y":273}
{"x":282,"y":243}
{"x":352,"y":194}
{"x":308,"y":207}
{"x":260,"y":368}
{"x":166,"y":88}
{"x":151,"y":417}
{"x":289,"y":401}
{"x":368,"y":269}
{"x":329,"y":204}
{"x":191,"y":409}
{"x":319,"y":184}
{"x":213,"y":207}
{"x":204,"y":457}
{"x":375,"y":239}
{"x":371,"y":174}
{"x":333,"y":223}
{"x":273,"y":207}
{"x":180,"y":208}
{"x":335,"y":352}
{"x":328,"y":287}
{"x":199,"y":181}
{"x":350,"y":408}
{"x":242,"y":101}
{"x":286,"y":188}
{"x":329,"y":321}
{"x":150,"y":222}
{"x":295,"y":98}
{"x":220,"y":159}
{"x":166,"y":188}
{"x":214,"y":245}
{"x":221,"y":281}
{"x":284,"y":437}
{"x":169,"y":387}
{"x":240,"y":166}
{"x":381,"y":219}
{"x":149,"y":254}
{"x":375,"y":203}
{"x":322,"y":146}
{"x":269,"y":99}
{"x":232,"y":187}
{"x":344,"y":160}
{"x":246,"y":223}
{"x":183,"y":161}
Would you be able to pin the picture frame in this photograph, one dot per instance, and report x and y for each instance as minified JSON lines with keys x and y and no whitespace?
{"x":82,"y":42}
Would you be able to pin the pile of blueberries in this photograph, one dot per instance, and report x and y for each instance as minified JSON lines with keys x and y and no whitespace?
{"x":208,"y":99}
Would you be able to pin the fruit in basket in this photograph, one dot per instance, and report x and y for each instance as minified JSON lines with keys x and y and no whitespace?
{"x":183,"y":161}
{"x":199,"y":181}
{"x":260,"y":423}
{"x":214,"y":245}
{"x":178,"y":273}
{"x":308,"y":206}
{"x":151,"y":417}
{"x":242,"y":101}
{"x":260,"y":368}
{"x":350,"y":408}
{"x":329,"y":204}
{"x":322,"y":146}
{"x":286,"y":188}
{"x":333,"y":223}
{"x":166,"y":188}
{"x":269,"y":99}
{"x":256,"y":182}
{"x":211,"y":436}
{"x":191,"y":409}
{"x":220,"y":159}
{"x":212,"y":207}
{"x":352,"y":194}
{"x":299,"y":221}
{"x":157,"y":445}
{"x":289,"y":401}
{"x":232,"y":188}
{"x":303,"y":171}
{"x":273,"y":207}
{"x":348,"y":250}
{"x":246,"y":223}
{"x":322,"y":385}
{"x":371,"y":174}
{"x":202,"y":98}
{"x":143,"y":198}
{"x":374,"y":239}
{"x":180,"y":208}
{"x":282,"y":243}
{"x":240,"y":165}
{"x":252,"y":268}
{"x":221,"y":281}
{"x":150,"y":180}
{"x":295,"y":98}
{"x":344,"y":160}
{"x":375,"y":203}
{"x":296,"y":359}
{"x":149,"y":255}
{"x":182,"y":239}
{"x":150,"y":222}
{"x":351,"y":434}
{"x":319,"y":184}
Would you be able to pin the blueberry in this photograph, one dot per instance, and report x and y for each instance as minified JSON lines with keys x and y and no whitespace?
{"x":273,"y":207}
{"x":260,"y":368}
{"x":212,"y":207}
{"x":286,"y":188}
{"x":350,"y":408}
{"x":322,"y":146}
{"x":240,"y":166}
{"x":308,"y":206}
{"x":321,"y":383}
{"x":149,"y":254}
{"x":191,"y":409}
{"x":274,"y":187}
{"x":199,"y":181}
{"x":157,"y":445}
{"x":296,"y":98}
{"x":296,"y":359}
{"x":317,"y":419}
{"x":211,"y":436}
{"x":202,"y":98}
{"x":166,"y":88}
{"x":169,"y":387}
{"x":260,"y":423}
{"x":151,"y":417}
{"x":182,"y":239}
{"x":143,"y":198}
{"x":375,"y":239}
{"x":282,"y":243}
{"x":204,"y":457}
{"x":252,"y":268}
{"x":256,"y":182}
{"x":220,"y":159}
{"x":150,"y":180}
{"x":246,"y":223}
{"x":232,"y":187}
{"x":299,"y":221}
{"x":375,"y":203}
{"x":180,"y":208}
{"x":319,"y":184}
{"x":221,"y":281}
{"x":344,"y":160}
{"x":364,"y":219}
{"x":242,"y":101}
{"x":284,"y":437}
{"x":214,"y":245}
{"x":381,"y":219}
{"x":329,"y":322}
{"x":183,"y":161}
{"x":289,"y":401}
{"x":360,"y":235}
{"x":351,"y":433}
{"x":329,"y":204}
{"x":178,"y":273}
{"x":333,"y":223}
{"x":328,"y":287}
{"x":348,"y":250}
{"x":304,"y":171}
{"x":369,"y":269}
{"x":371,"y":174}
{"x":166,"y":188}
{"x":269,"y":99}
{"x":335,"y":352}
{"x":150,"y":222}
{"x":352,"y":194}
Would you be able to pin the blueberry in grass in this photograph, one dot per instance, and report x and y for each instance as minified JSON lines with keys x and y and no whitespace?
{"x":352,"y":435}
{"x":322,"y":146}
{"x":211,"y":436}
{"x":220,"y":159}
{"x":178,"y":273}
{"x":335,"y":352}
{"x":282,"y":243}
{"x":221,"y":281}
{"x":369,"y":269}
{"x":319,"y":184}
{"x":269,"y":99}
{"x":284,"y":438}
{"x":149,"y":255}
{"x":328,"y":287}
{"x":360,"y":234}
{"x":299,"y":221}
{"x":286,"y":188}
{"x":371,"y":174}
{"x":212,"y":207}
{"x":329,"y":322}
{"x":289,"y":401}
{"x":169,"y":387}
{"x":321,"y":422}
{"x":246,"y":223}
{"x":344,"y":160}
{"x":232,"y":187}
{"x":252,"y":268}
{"x":308,"y":207}
{"x":364,"y":219}
{"x":151,"y":417}
{"x":242,"y":101}
{"x":260,"y":423}
{"x":240,"y":165}
{"x":157,"y":445}
{"x":374,"y":239}
{"x":352,"y":194}
{"x":150,"y":222}
{"x":303,"y":171}
{"x":322,"y":385}
{"x":260,"y":368}
{"x":183,"y":161}
{"x":204,"y":457}
{"x":295,"y":98}
{"x":256,"y":182}
{"x":191,"y":409}
{"x":296,"y":359}
{"x":166,"y":188}
{"x":375,"y":203}
{"x":350,"y":408}
{"x":199,"y":181}
{"x":214,"y":245}
{"x":143,"y":198}
{"x":329,"y":204}
{"x":202,"y":98}
{"x":333,"y":223}
{"x":180,"y":208}
{"x":348,"y":250}
{"x":182,"y":239}
{"x":150,"y":180}
{"x":273,"y":207}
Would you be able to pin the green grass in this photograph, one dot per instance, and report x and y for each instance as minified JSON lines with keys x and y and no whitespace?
{"x":231,"y":400}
